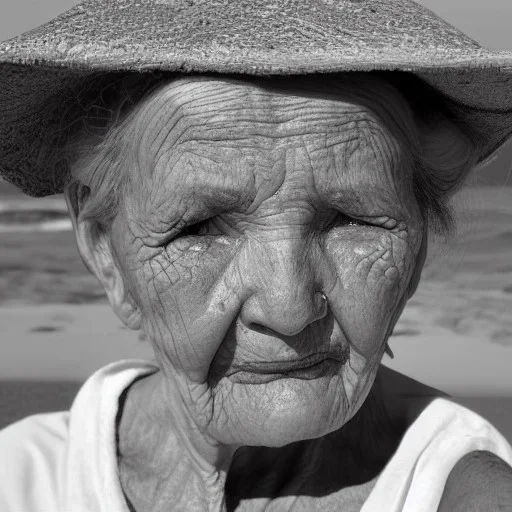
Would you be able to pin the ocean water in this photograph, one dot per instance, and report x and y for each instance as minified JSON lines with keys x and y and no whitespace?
{"x":22,"y":215}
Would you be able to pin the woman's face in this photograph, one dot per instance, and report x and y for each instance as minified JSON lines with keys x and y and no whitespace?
{"x":245,"y":205}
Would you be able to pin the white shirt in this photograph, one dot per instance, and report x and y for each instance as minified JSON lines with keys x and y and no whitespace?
{"x":66,"y":461}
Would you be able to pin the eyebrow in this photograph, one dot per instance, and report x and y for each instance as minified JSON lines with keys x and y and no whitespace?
{"x":186,"y":203}
{"x":383,"y":154}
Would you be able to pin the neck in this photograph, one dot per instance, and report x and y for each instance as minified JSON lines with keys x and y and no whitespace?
{"x":165,"y":462}
{"x":163,"y":457}
{"x":343,"y":465}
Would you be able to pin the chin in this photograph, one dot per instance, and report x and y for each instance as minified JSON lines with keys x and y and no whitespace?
{"x":286,"y":410}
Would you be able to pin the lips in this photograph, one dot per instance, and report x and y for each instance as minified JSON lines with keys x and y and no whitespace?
{"x":307,"y":368}
{"x":282,"y":366}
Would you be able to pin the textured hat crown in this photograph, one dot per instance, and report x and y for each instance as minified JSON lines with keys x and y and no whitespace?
{"x":42,"y":72}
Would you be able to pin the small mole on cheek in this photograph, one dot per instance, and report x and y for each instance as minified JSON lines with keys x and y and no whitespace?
{"x":391,"y":273}
{"x":222,"y":306}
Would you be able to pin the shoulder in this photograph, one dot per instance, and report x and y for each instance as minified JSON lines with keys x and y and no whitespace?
{"x":31,"y":456}
{"x":455,"y":440}
{"x":480,"y":481}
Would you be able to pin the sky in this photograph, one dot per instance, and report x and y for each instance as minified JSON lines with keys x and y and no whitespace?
{"x":488,"y":22}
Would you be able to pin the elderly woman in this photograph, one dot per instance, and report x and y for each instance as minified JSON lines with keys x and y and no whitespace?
{"x":264,"y":226}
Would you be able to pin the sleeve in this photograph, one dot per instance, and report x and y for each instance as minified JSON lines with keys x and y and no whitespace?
{"x":32,"y":455}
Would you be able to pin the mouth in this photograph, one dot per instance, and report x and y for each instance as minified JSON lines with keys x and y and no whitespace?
{"x":308,"y":368}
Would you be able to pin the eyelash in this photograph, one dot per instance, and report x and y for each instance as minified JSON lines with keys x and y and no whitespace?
{"x":193,"y":230}
{"x":345,"y":220}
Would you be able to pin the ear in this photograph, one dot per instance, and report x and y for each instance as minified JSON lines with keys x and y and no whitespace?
{"x":420,"y":262}
{"x":96,"y":251}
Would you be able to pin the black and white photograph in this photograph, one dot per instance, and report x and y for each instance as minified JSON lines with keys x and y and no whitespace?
{"x":255,"y":256}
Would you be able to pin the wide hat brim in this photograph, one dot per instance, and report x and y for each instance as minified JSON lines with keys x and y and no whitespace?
{"x":44,"y":72}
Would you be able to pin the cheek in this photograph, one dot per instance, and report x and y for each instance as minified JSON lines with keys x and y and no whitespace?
{"x":373,"y":270}
{"x":181,"y":285}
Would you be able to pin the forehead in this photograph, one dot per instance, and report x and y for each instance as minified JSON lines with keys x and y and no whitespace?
{"x":230,"y":141}
{"x":208,"y":110}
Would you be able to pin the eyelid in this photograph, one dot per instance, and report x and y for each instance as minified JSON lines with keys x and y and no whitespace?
{"x":398,"y":227}
{"x":385,"y":222}
{"x":382,"y":221}
{"x":185,"y":231}
{"x":349,"y":220}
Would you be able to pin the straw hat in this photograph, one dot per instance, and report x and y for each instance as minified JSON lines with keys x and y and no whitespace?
{"x":43,"y":72}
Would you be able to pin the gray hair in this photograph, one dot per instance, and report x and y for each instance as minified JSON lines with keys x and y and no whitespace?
{"x":101,"y":150}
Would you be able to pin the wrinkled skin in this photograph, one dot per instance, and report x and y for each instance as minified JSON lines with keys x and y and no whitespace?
{"x":245,"y":204}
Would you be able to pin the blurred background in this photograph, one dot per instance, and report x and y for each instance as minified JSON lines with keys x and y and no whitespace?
{"x":455,"y":334}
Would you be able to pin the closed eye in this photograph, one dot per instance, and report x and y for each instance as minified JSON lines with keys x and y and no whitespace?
{"x":342,"y":220}
{"x":196,"y":229}
{"x":202,"y":228}
{"x":382,"y":221}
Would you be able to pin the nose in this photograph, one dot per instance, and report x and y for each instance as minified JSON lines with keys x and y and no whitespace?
{"x":286,"y":289}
